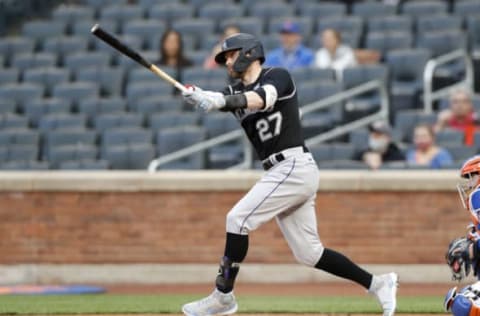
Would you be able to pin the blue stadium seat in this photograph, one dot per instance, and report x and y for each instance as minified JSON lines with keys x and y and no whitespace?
{"x":85,"y":164}
{"x":248,"y":24}
{"x":21,"y":92}
{"x":321,"y":10}
{"x":106,"y":121}
{"x":172,"y":139}
{"x":473,"y":30}
{"x":110,"y":80}
{"x":83,"y":29}
{"x":11,"y":46}
{"x":221,"y":157}
{"x":22,"y":152}
{"x":344,"y":25}
{"x":83,"y":60}
{"x":270,"y":41}
{"x":39,"y":31}
{"x":126,"y":136}
{"x":196,"y":27}
{"x":406,"y":120}
{"x":459,"y":151}
{"x":136,"y":91}
{"x":220,"y":11}
{"x":12,"y":120}
{"x":9,"y":75}
{"x":372,"y":9}
{"x":129,"y":64}
{"x":122,"y":13}
{"x":465,"y":8}
{"x":440,"y":43}
{"x":69,"y":14}
{"x":305,"y":23}
{"x":385,"y":42}
{"x":61,"y":121}
{"x":144,"y":29}
{"x":125,"y":157}
{"x":36,"y":108}
{"x":76,"y":91}
{"x":164,"y":120}
{"x":155,"y":104}
{"x":92,"y":107}
{"x":59,"y":154}
{"x":390,"y":23}
{"x":359,"y":139}
{"x":24,"y":165}
{"x":171,"y":11}
{"x":19,"y":136}
{"x":28,"y":61}
{"x":424,"y":7}
{"x":437,"y":23}
{"x":307,"y":74}
{"x":449,"y":136}
{"x":67,"y":136}
{"x":268,"y":11}
{"x":217,"y":124}
{"x":7,"y":106}
{"x":47,"y":76}
{"x":65,"y":45}
{"x":198,"y":56}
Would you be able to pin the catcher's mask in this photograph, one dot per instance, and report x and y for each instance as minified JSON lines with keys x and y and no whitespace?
{"x":455,"y":258}
{"x":250,"y":50}
{"x":470,"y":179}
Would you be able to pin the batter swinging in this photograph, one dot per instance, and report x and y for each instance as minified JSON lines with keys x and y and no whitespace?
{"x":265,"y":103}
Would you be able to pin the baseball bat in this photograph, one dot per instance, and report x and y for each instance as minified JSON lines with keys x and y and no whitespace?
{"x":128,"y":51}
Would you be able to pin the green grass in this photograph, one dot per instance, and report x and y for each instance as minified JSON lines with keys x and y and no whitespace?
{"x":151,"y":304}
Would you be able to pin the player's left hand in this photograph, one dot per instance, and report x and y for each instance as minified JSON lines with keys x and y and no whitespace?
{"x":206,"y":100}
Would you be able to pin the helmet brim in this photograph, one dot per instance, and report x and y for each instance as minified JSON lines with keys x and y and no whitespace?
{"x":220,"y":57}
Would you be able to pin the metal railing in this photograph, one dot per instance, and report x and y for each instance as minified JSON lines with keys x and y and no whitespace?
{"x":330,"y":101}
{"x":429,"y":95}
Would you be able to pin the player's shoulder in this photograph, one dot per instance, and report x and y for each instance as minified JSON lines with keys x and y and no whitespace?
{"x":276,"y":73}
{"x":474,"y":199}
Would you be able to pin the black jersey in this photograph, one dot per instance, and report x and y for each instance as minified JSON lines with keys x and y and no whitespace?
{"x":278,"y":128}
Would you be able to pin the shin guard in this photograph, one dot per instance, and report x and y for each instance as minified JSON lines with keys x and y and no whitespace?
{"x":227,"y":273}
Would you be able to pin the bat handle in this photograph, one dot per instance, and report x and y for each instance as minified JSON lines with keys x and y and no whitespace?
{"x":167,"y":77}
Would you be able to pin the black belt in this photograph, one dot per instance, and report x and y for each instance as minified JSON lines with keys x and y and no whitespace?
{"x":278,"y":157}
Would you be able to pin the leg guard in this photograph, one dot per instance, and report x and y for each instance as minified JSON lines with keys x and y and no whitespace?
{"x":227,"y":273}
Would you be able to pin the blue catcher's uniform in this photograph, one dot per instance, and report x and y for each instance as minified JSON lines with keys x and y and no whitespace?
{"x":464,"y":303}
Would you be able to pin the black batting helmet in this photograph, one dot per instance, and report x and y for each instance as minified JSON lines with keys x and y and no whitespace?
{"x":250,"y":50}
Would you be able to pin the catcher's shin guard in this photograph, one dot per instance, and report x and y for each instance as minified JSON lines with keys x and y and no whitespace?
{"x":227,"y":273}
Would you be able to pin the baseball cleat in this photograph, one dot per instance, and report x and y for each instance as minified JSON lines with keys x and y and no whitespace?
{"x":384,"y":288}
{"x":217,"y":303}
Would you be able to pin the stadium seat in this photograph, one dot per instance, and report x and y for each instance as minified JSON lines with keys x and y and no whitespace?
{"x":36,"y":108}
{"x":305,"y":23}
{"x":11,"y":46}
{"x":137,"y":90}
{"x":129,"y":64}
{"x":248,"y":24}
{"x":83,"y":60}
{"x":170,"y":12}
{"x":342,"y":165}
{"x":321,"y":10}
{"x":7,"y":106}
{"x":198,"y":56}
{"x":39,"y":31}
{"x":155,"y":104}
{"x":62,"y":46}
{"x":18,"y":136}
{"x":69,"y":14}
{"x":47,"y":76}
{"x":424,"y":7}
{"x":390,"y":23}
{"x":196,"y":27}
{"x":21,"y":92}
{"x":143,"y":30}
{"x":110,"y":80}
{"x":217,"y":124}
{"x":22,"y":152}
{"x":406,"y":120}
{"x":348,"y":24}
{"x":198,"y":4}
{"x":270,"y":41}
{"x":24,"y":165}
{"x":75,"y":91}
{"x":106,"y":121}
{"x":82,"y":29}
{"x":63,"y":153}
{"x":459,"y":151}
{"x":126,"y":136}
{"x":92,"y":107}
{"x":9,"y":75}
{"x":172,"y":139}
{"x":28,"y":61}
{"x":385,"y":42}
{"x":437,"y":23}
{"x":220,"y":11}
{"x":473,"y":30}
{"x":307,"y":74}
{"x":359,"y":139}
{"x":269,"y":11}
{"x":449,"y":136}
{"x":170,"y":119}
{"x":12,"y":120}
{"x":61,"y":121}
{"x":124,"y":157}
{"x":466,"y":8}
{"x":121,"y":13}
{"x":372,"y":9}
{"x":85,"y":164}
{"x":69,"y":136}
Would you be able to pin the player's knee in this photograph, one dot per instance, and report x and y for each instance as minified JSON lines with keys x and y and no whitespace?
{"x":234,"y":223}
{"x":308,"y":256}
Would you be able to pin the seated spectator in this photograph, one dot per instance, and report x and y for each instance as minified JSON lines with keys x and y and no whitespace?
{"x":460,"y":116}
{"x":172,"y":55}
{"x":293,"y":54}
{"x":381,"y":148}
{"x":425,"y":151}
{"x":209,"y":62}
{"x":334,"y":54}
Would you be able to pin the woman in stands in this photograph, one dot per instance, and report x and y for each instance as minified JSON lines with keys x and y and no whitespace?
{"x":426,"y":152}
{"x":172,"y":55}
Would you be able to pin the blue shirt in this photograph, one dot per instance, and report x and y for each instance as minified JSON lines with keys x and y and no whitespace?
{"x":300,"y":57}
{"x":442,"y":158}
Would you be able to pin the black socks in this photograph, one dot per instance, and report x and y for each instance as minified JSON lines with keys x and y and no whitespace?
{"x":236,"y":248}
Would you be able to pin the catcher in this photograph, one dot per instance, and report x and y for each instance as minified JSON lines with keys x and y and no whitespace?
{"x":463,"y":254}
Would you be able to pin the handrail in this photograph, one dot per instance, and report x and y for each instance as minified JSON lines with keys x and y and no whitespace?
{"x":323,"y":103}
{"x":430,"y":96}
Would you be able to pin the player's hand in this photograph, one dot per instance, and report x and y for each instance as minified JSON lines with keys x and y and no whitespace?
{"x":206,"y":100}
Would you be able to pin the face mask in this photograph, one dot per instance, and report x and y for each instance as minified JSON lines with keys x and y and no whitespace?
{"x":378,"y":144}
{"x":423,"y":145}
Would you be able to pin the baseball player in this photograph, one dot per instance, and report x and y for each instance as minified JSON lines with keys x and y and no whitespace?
{"x":463,"y":254}
{"x":265,"y":102}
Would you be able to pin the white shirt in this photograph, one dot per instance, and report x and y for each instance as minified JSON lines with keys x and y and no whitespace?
{"x":344,"y":57}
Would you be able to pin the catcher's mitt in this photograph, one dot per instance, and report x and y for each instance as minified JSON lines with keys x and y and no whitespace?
{"x":458,"y":258}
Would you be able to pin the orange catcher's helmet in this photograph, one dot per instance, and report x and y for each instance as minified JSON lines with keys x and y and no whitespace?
{"x":470,"y":174}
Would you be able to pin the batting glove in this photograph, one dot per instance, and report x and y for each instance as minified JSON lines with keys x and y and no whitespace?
{"x":206,"y":100}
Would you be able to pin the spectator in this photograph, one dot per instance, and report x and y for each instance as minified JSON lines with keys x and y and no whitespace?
{"x":334,"y":54}
{"x":460,"y":116}
{"x":381,"y":148}
{"x":293,"y":54}
{"x":209,"y":62}
{"x":425,"y":151}
{"x":172,"y":55}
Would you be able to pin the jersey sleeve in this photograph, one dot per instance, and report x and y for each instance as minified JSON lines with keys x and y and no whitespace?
{"x":474,"y":201}
{"x":281,"y":80}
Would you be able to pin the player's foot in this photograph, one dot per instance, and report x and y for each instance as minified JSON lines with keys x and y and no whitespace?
{"x":384,"y":288}
{"x":217,"y":303}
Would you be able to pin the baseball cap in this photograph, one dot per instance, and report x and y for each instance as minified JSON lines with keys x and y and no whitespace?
{"x":290,"y":27}
{"x":380,"y":127}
